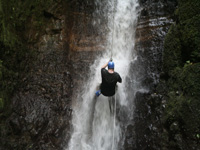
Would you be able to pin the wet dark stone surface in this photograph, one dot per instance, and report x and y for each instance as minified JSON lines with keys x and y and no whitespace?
{"x":154,"y":22}
{"x":148,"y":124}
{"x":42,"y":106}
{"x":151,"y":31}
{"x":156,"y":8}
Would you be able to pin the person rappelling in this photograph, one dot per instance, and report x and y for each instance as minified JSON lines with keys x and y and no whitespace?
{"x":109,"y":79}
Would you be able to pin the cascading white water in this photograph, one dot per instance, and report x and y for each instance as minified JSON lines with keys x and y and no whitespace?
{"x":93,"y":126}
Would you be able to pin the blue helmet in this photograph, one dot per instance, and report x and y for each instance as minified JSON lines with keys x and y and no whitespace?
{"x":111,"y":65}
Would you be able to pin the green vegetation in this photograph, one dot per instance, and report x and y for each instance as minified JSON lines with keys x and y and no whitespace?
{"x":182,"y":65}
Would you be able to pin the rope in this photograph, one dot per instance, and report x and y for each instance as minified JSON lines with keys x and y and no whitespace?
{"x":113,"y":142}
{"x":113,"y":27}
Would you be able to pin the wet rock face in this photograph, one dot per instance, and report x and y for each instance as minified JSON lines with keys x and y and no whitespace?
{"x":41,"y":108}
{"x":157,"y":8}
{"x":84,"y":41}
{"x":153,"y":25}
{"x":148,"y":125}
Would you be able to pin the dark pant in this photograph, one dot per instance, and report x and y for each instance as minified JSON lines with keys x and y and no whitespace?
{"x":111,"y":101}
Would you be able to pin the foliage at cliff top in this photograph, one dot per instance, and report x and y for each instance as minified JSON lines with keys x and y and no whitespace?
{"x":182,"y":65}
{"x":183,"y":40}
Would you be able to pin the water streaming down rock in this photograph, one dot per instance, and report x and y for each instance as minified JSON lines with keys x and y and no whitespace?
{"x":93,"y":126}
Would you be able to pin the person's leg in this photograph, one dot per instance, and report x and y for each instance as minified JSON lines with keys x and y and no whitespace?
{"x":110,"y":100}
{"x":94,"y":100}
{"x":91,"y":115}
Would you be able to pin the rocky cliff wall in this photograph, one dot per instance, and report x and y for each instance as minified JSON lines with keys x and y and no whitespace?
{"x":154,"y":22}
{"x":63,"y":45}
{"x":40,"y":109}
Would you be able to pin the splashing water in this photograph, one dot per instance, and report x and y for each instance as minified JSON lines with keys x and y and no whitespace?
{"x":93,"y":126}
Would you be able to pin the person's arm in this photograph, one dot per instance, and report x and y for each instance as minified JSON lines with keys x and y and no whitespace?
{"x":120,"y":79}
{"x":104,"y":66}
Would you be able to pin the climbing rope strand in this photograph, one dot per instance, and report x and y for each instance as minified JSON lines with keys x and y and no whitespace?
{"x":113,"y":142}
{"x":113,"y":27}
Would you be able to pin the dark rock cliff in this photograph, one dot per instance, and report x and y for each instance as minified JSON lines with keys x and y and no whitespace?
{"x":62,"y":49}
{"x":41,"y":107}
{"x":154,"y":22}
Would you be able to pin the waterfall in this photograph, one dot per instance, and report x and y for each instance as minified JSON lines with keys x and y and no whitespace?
{"x":93,"y":125}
